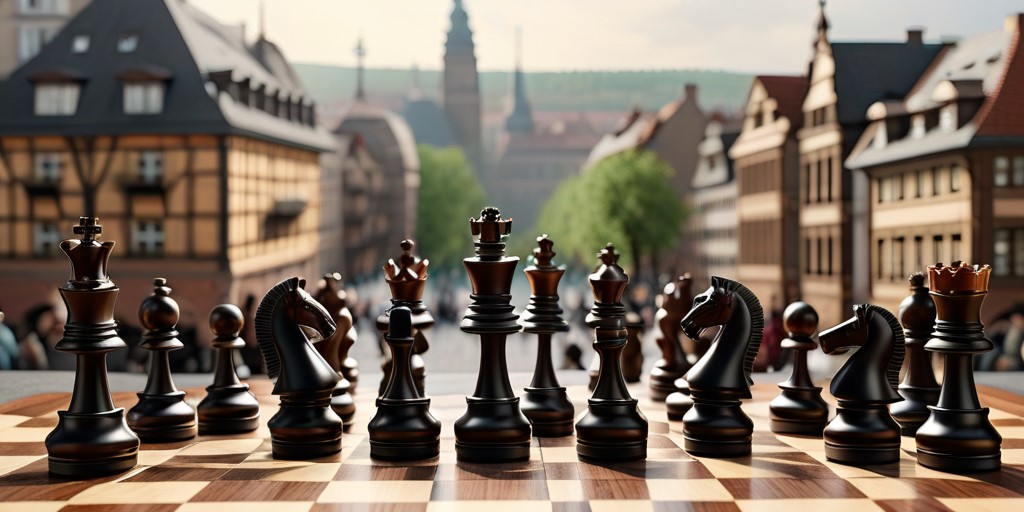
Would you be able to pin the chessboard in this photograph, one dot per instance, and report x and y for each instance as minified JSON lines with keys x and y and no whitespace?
{"x":237,"y":473}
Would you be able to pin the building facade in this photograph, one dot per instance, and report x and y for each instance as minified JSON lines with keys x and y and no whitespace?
{"x":27,"y":25}
{"x":713,"y":221}
{"x":460,"y":87}
{"x":946,"y":164}
{"x":834,"y":200}
{"x":767,"y":164}
{"x":198,"y":151}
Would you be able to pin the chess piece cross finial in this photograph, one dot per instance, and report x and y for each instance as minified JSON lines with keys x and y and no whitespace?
{"x":88,"y":227}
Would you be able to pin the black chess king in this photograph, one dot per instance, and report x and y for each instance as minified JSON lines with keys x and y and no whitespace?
{"x":92,"y":437}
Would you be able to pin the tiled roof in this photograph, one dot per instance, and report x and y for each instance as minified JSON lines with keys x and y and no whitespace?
{"x":1001,"y":113}
{"x":789,"y":93}
{"x":870,"y":72}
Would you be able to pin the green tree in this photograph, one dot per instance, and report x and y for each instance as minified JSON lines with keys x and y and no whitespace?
{"x":625,"y":199}
{"x":449,"y":195}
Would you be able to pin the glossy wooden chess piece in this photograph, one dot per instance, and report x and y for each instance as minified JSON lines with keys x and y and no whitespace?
{"x":228,"y":407}
{"x":305,"y":426}
{"x":863,"y":432}
{"x":161,"y":415}
{"x":91,"y":437}
{"x":407,"y":279}
{"x":493,"y":429}
{"x":403,"y":428}
{"x":633,"y":354}
{"x":673,"y":365}
{"x":919,"y":388}
{"x":545,"y":402}
{"x":799,"y":409}
{"x":613,"y":428}
{"x":332,"y":297}
{"x":957,"y":436}
{"x":716,"y":425}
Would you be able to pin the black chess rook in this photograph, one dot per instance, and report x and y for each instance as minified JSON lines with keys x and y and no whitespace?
{"x":493,"y":429}
{"x":228,"y":407}
{"x":799,"y":409}
{"x":91,"y":437}
{"x":161,"y":415}
{"x":613,"y":428}
{"x":545,"y":402}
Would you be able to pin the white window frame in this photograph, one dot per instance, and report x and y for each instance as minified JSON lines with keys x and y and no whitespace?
{"x":143,"y":97}
{"x":148,"y":238}
{"x":45,"y":238}
{"x":49,"y":167}
{"x":151,"y":167}
{"x":57,"y":98}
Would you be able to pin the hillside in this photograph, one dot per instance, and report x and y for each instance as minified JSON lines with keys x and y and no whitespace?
{"x":558,"y":91}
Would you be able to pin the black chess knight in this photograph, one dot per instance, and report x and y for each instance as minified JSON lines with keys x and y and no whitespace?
{"x":287,"y":321}
{"x":613,"y":429}
{"x":493,"y":429}
{"x":161,"y":414}
{"x":229,"y":407}
{"x":91,"y":437}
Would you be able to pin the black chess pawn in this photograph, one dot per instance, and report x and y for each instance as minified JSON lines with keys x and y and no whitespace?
{"x":545,"y":402}
{"x":161,"y":415}
{"x":287,"y":322}
{"x":919,"y":388}
{"x":407,"y":280}
{"x":716,"y":425}
{"x":799,"y":409}
{"x":957,"y":436}
{"x":91,"y":437}
{"x":673,"y":364}
{"x":493,"y":429}
{"x":403,"y":428}
{"x":863,"y":431}
{"x":334,"y":349}
{"x":613,"y":429}
{"x":228,"y":407}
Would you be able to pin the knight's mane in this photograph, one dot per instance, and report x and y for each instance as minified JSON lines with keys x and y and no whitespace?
{"x":892,"y":371}
{"x":263,"y":324}
{"x":756,"y":322}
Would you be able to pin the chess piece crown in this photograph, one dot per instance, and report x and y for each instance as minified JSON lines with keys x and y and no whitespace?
{"x":608,"y":283}
{"x":489,"y":232}
{"x":88,"y":256}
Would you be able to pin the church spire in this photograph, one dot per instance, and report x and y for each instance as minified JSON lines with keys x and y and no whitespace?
{"x":263,"y":20}
{"x":520,"y":117}
{"x":360,"y":52}
{"x":822,"y":34}
{"x":459,"y":35}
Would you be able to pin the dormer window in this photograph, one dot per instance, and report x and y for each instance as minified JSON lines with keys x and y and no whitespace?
{"x":143,"y":97}
{"x":56,"y":99}
{"x":80,"y":44}
{"x":127,"y":43}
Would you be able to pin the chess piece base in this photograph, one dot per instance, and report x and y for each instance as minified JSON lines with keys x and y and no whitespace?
{"x":89,"y":445}
{"x":404,"y":429}
{"x":863,"y":435}
{"x":913,"y":411}
{"x":612,"y":430}
{"x":549,"y":410}
{"x":228,"y":410}
{"x":164,"y":418}
{"x":662,"y":383}
{"x":492,"y":430}
{"x":305,"y":427}
{"x":861,"y":455}
{"x":717,"y":429}
{"x":677,"y":404}
{"x":287,"y":450}
{"x":958,"y":441}
{"x":345,"y":407}
{"x":798,"y":411}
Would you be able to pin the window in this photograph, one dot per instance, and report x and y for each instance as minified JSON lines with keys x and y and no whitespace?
{"x":955,"y":248}
{"x":48,"y":167}
{"x":59,"y":99}
{"x":818,"y":256}
{"x":1001,"y":252}
{"x":954,"y":178}
{"x":884,"y":192}
{"x":80,"y":44}
{"x":829,"y":256}
{"x":919,"y":253}
{"x":148,"y":238}
{"x":897,"y":187}
{"x":43,"y":7}
{"x":1001,"y":171}
{"x":897,"y":258}
{"x":151,"y":167}
{"x":879,"y":258}
{"x":45,"y":237}
{"x":127,"y":43}
{"x":937,"y":248}
{"x":936,"y":181}
{"x":30,"y":41}
{"x":1018,"y":171}
{"x":1018,"y":251}
{"x":918,"y":183}
{"x":143,"y":97}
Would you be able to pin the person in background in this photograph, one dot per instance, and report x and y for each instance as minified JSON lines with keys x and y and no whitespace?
{"x":1013,"y":343}
{"x":8,"y":347}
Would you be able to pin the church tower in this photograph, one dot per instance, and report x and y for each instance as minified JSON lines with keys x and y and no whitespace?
{"x":519,"y":118}
{"x":461,"y":87}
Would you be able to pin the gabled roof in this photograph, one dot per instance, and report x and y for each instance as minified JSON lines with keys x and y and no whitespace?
{"x":185,"y":46}
{"x":1001,"y":114}
{"x":789,"y":93}
{"x":870,"y":72}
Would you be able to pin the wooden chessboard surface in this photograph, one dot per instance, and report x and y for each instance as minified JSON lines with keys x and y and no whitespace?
{"x":229,"y":473}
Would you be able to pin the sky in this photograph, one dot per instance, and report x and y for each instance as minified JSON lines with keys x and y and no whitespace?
{"x":761,"y":36}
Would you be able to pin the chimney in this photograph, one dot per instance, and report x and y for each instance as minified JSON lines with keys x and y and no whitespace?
{"x":691,"y":92}
{"x":915,"y":36}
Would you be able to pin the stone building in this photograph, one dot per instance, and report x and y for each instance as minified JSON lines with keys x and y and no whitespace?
{"x":845,"y":79}
{"x":27,"y":25}
{"x":946,"y":164}
{"x":713,"y":221}
{"x":353,"y":218}
{"x":767,"y":165}
{"x":460,"y":87}
{"x":198,"y":151}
